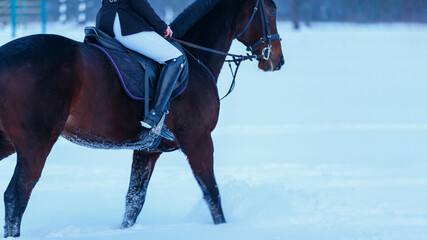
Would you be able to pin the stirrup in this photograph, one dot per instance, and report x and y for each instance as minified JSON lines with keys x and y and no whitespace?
{"x":146,"y":125}
{"x":160,"y":129}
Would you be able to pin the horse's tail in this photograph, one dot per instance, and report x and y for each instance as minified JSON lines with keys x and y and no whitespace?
{"x":6,"y":146}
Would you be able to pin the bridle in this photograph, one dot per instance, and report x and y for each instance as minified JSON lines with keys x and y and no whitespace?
{"x":266,"y":31}
{"x":236,"y":58}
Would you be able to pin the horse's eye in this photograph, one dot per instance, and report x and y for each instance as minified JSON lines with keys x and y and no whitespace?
{"x":273,"y":12}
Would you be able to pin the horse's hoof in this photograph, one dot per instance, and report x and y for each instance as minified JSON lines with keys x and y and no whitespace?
{"x":219,"y":220}
{"x":127,"y":224}
{"x":11,"y":232}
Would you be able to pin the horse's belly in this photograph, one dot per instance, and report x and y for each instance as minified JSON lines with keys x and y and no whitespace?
{"x":111,"y":137}
{"x":98,"y":142}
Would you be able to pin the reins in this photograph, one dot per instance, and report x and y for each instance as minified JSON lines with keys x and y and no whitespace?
{"x":237,"y":56}
{"x":237,"y":59}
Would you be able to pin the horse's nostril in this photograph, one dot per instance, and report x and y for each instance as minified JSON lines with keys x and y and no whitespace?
{"x":282,"y":60}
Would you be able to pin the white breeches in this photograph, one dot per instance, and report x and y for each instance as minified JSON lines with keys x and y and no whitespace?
{"x":149,"y":44}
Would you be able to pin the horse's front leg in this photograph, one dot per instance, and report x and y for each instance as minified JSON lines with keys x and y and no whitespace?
{"x":142,"y":168}
{"x":200,"y":157}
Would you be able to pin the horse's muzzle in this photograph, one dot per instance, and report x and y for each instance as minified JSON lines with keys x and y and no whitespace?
{"x":280,"y":63}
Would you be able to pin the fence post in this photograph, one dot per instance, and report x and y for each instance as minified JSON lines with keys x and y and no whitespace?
{"x":81,"y":18}
{"x":44,"y":16}
{"x":62,"y":11}
{"x":13,"y":17}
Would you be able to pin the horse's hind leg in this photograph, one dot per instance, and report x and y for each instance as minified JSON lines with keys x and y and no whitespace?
{"x":28,"y":170}
{"x":33,"y":133}
{"x":33,"y":130}
{"x":200,"y":157}
{"x":6,"y":147}
{"x":142,"y":169}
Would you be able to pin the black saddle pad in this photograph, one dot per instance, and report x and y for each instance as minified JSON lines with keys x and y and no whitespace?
{"x":133,"y":69}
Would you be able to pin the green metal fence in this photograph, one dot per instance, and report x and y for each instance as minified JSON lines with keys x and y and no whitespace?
{"x":22,"y":12}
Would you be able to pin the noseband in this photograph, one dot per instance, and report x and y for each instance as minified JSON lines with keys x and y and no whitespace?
{"x":266,"y":32}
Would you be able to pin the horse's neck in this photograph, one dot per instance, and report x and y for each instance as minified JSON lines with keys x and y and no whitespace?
{"x":214,"y":31}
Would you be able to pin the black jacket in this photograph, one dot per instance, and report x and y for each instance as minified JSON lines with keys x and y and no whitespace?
{"x":135,"y":16}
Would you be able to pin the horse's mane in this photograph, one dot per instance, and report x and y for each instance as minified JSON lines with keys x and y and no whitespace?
{"x":191,"y":15}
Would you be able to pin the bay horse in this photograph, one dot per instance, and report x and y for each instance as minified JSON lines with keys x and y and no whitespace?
{"x":51,"y":86}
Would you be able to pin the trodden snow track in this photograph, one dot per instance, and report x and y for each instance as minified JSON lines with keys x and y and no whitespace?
{"x":335,"y":148}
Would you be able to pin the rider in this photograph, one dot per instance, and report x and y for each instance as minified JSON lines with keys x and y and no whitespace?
{"x":136,"y":26}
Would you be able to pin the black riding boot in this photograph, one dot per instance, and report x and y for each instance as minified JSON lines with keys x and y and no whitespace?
{"x":156,"y":119}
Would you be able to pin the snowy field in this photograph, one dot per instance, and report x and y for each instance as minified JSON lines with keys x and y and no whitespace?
{"x":333,"y":146}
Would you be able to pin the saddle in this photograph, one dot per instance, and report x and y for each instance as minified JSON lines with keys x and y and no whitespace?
{"x":138,"y":74}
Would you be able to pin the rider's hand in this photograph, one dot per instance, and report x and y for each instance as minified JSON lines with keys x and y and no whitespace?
{"x":168,"y":32}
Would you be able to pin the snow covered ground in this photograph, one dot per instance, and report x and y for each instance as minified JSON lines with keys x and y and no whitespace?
{"x":333,"y":146}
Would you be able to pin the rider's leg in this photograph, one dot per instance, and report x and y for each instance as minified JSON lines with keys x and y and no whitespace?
{"x":154,"y":46}
{"x":165,"y":86}
{"x":149,"y":44}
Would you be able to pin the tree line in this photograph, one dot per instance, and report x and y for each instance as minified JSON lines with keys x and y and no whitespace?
{"x":360,"y":11}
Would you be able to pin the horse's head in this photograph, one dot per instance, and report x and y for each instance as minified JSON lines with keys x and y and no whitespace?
{"x":258,"y":31}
